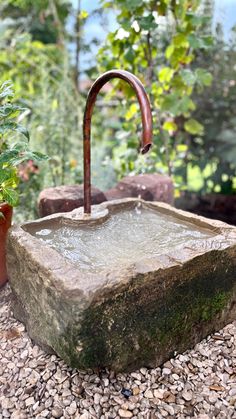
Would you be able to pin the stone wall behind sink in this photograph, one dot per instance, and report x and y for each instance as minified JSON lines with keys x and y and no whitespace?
{"x":65,"y":199}
{"x":150,"y":187}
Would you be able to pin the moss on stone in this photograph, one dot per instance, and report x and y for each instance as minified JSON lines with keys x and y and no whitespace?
{"x":151,"y":321}
{"x":214,"y":305}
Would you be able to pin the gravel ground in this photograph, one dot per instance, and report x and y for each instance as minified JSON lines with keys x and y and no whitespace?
{"x":199,"y":383}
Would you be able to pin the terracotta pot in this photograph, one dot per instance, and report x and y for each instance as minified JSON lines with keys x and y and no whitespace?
{"x":5,"y":223}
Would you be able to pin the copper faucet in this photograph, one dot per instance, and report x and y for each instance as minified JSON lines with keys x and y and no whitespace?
{"x":146,"y":141}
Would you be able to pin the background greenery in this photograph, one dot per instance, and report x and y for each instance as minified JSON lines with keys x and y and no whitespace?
{"x":174,"y":47}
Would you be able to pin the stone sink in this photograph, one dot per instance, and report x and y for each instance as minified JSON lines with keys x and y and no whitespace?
{"x":128,"y":286}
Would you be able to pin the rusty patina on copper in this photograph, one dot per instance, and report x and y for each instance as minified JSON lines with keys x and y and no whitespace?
{"x":146,"y":141}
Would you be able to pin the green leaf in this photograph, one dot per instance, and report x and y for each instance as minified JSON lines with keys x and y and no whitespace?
{"x":170,"y":104}
{"x":6,"y":90}
{"x":132,"y":5}
{"x":10,"y":110}
{"x":186,"y":104}
{"x":197,"y":20}
{"x":194,"y":127}
{"x":194,"y":41}
{"x":22,"y":130}
{"x":197,"y":42}
{"x":7,"y":156}
{"x":13,"y":126}
{"x":83,"y":14}
{"x":10,"y":196}
{"x":12,"y":181}
{"x":170,"y":126}
{"x":133,"y":109}
{"x":203,"y":76}
{"x":35,"y":155}
{"x":165,"y":74}
{"x":169,"y":51}
{"x":207,"y":41}
{"x":20,"y":146}
{"x":182,"y":147}
{"x":5,"y":174}
{"x":147,"y":22}
{"x":161,"y":8}
{"x":7,"y":126}
{"x":181,"y":40}
{"x":129,"y":55}
{"x":178,"y":57}
{"x":15,"y":157}
{"x":188,"y":77}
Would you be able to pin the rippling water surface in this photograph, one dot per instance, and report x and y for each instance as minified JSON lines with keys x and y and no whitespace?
{"x":125,"y":238}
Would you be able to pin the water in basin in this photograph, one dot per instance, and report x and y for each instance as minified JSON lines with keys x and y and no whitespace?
{"x":124,"y":238}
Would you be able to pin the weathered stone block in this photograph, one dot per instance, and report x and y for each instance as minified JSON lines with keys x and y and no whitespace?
{"x":65,"y":198}
{"x":127,"y":313}
{"x":150,"y":187}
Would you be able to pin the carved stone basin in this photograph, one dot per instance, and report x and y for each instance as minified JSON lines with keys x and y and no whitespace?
{"x":125,"y":287}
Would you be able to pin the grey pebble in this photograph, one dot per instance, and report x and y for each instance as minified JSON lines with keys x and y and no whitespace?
{"x":57,"y":412}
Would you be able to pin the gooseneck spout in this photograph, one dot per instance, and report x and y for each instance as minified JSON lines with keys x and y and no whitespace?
{"x":146,"y":141}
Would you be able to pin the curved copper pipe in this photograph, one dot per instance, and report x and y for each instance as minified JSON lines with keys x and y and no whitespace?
{"x":146,"y":141}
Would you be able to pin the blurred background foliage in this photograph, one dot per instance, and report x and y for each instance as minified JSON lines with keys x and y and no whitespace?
{"x":175,"y":47}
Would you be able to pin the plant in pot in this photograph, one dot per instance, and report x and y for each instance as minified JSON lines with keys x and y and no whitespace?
{"x":14,"y":150}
